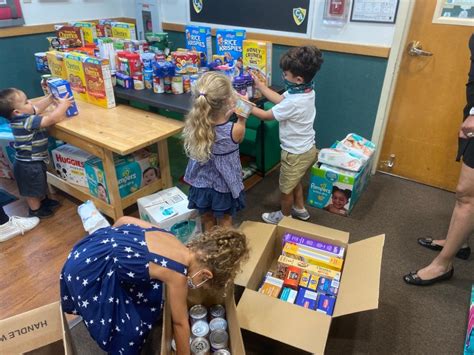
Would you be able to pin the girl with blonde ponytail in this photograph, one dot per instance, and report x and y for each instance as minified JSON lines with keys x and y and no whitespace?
{"x":211,"y":142}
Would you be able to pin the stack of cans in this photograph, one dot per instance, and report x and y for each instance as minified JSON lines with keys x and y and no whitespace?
{"x":209,"y":330}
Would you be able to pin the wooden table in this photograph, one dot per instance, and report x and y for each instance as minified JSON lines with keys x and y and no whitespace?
{"x":122,"y":130}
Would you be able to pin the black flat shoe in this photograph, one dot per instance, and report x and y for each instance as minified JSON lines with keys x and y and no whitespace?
{"x":413,"y":279}
{"x":463,"y":253}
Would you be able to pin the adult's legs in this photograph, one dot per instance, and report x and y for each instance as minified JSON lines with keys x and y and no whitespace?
{"x":460,"y":227}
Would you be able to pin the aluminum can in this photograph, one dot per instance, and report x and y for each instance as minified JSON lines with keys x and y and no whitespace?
{"x":197,"y":312}
{"x":217,"y":311}
{"x":200,"y":328}
{"x":219,"y":339}
{"x":218,"y":324}
{"x":200,"y":346}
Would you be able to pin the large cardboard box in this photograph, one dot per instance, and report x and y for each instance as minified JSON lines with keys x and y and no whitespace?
{"x":43,"y":330}
{"x":200,"y":296}
{"x":69,"y":163}
{"x":294,"y":325}
{"x":168,"y":209}
{"x":328,"y":183}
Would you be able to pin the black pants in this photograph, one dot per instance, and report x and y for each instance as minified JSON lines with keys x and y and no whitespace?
{"x":3,"y":216}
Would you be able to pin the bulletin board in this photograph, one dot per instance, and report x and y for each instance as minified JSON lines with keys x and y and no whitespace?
{"x":454,"y":12}
{"x":274,"y":15}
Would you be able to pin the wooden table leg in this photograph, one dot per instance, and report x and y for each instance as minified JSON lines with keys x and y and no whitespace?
{"x":112,"y":184}
{"x":164,"y":164}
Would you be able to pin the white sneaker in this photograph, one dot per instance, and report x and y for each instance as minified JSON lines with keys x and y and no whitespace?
{"x":273,"y":217}
{"x":16,"y":226}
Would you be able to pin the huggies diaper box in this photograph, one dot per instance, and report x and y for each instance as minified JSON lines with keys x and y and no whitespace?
{"x":168,"y":209}
{"x":69,"y":163}
{"x":133,"y":172}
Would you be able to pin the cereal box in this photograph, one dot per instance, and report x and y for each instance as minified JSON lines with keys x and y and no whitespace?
{"x":229,"y":43}
{"x":99,"y":82}
{"x":69,"y":163}
{"x":104,"y":28}
{"x":70,"y":36}
{"x":123,"y":30}
{"x":257,"y":58}
{"x":75,"y":74}
{"x":89,"y":30}
{"x":60,"y":88}
{"x":133,"y":172}
{"x":56,"y":64}
{"x":199,"y":39}
{"x":311,"y":256}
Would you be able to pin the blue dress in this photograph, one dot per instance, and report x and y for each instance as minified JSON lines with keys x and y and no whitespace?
{"x":106,"y":280}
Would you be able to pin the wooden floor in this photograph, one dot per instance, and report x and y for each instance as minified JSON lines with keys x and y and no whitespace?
{"x":30,"y":264}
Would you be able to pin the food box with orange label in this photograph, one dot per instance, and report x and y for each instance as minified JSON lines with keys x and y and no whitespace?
{"x":99,"y":82}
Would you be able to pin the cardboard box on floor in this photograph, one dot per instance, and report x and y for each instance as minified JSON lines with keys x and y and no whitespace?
{"x":201,"y":296}
{"x":291,"y":324}
{"x":43,"y":330}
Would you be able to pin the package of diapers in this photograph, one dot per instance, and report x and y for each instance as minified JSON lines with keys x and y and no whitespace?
{"x":357,"y":145}
{"x":341,"y":159}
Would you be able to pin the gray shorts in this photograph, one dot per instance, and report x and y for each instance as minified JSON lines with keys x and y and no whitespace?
{"x":31,"y":178}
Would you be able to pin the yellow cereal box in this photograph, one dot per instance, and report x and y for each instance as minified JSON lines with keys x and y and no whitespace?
{"x":99,"y":82}
{"x":56,"y":64}
{"x":311,"y":256}
{"x":123,"y":30}
{"x":284,"y":262}
{"x":257,"y":58}
{"x":75,"y":74}
{"x":88,"y":29}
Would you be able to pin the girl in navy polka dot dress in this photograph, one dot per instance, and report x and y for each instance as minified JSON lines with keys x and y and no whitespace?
{"x":114,"y":277}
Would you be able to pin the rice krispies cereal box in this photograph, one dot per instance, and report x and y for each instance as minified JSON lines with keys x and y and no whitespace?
{"x":123,"y":30}
{"x":99,"y":82}
{"x":56,"y":64}
{"x":75,"y":74}
{"x":199,"y":39}
{"x":88,"y":29}
{"x":229,"y":43}
{"x":69,"y":163}
{"x":257,"y":58}
{"x":133,"y":172}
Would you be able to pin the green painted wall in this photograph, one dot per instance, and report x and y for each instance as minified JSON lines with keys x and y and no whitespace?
{"x":348,"y":90}
{"x":348,"y":86}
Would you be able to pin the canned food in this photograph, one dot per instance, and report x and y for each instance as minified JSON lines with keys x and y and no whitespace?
{"x":219,"y":339}
{"x":41,"y":62}
{"x":197,"y":312}
{"x":200,"y":346}
{"x":193,"y":80}
{"x":138,"y":84}
{"x":200,"y":328}
{"x":217,"y":311}
{"x":177,"y":85}
{"x":218,"y":324}
{"x":158,"y":85}
{"x":186,"y":83}
{"x":221,"y":352}
{"x":148,"y":78}
{"x":113,"y":77}
{"x":44,"y":83}
{"x":167,"y":84}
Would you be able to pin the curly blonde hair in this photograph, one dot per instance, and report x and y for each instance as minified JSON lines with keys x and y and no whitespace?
{"x":211,"y":99}
{"x":222,"y":250}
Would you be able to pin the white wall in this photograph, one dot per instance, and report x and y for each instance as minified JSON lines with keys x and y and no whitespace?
{"x":51,"y":11}
{"x":175,"y":11}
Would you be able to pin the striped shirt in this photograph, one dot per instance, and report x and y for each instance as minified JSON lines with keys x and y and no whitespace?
{"x":31,"y":141}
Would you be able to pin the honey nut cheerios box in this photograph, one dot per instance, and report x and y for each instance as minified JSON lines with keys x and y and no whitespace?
{"x":56,"y":64}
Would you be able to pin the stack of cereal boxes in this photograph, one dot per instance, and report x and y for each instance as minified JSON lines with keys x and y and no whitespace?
{"x":307,"y":274}
{"x":341,"y":174}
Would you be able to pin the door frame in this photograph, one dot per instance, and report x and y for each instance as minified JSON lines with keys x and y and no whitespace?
{"x":402,"y":29}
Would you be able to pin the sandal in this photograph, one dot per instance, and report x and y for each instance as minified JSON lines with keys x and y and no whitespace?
{"x":463,"y":253}
{"x":413,"y":279}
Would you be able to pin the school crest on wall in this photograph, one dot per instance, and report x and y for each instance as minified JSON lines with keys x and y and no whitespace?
{"x":299,"y":15}
{"x":198,"y":5}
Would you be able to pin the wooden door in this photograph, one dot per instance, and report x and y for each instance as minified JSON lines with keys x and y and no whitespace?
{"x":426,"y":111}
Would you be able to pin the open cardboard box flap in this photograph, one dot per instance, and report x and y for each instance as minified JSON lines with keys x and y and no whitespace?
{"x":360,"y":280}
{"x":42,"y":330}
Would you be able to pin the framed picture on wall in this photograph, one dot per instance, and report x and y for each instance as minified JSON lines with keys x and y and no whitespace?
{"x":10,"y":13}
{"x":376,"y":11}
{"x":454,"y":12}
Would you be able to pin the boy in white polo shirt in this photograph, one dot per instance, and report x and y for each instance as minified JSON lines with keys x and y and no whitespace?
{"x":295,"y":111}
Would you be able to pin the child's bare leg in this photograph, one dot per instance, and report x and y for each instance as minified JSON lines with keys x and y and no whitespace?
{"x":225,"y":221}
{"x":298,"y":197}
{"x":34,"y":203}
{"x":132,"y":220}
{"x":208,"y":221}
{"x":286,"y":201}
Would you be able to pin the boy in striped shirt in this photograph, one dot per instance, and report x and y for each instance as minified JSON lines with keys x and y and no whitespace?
{"x":31,"y":144}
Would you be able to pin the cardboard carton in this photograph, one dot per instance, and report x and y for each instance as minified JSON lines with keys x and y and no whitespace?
{"x":168,"y":209}
{"x":88,"y":29}
{"x":69,"y":163}
{"x":98,"y":78}
{"x":200,"y":296}
{"x":70,"y":36}
{"x":123,"y":30}
{"x":43,"y":330}
{"x":59,"y":88}
{"x":56,"y":64}
{"x":297,"y":326}
{"x":75,"y":74}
